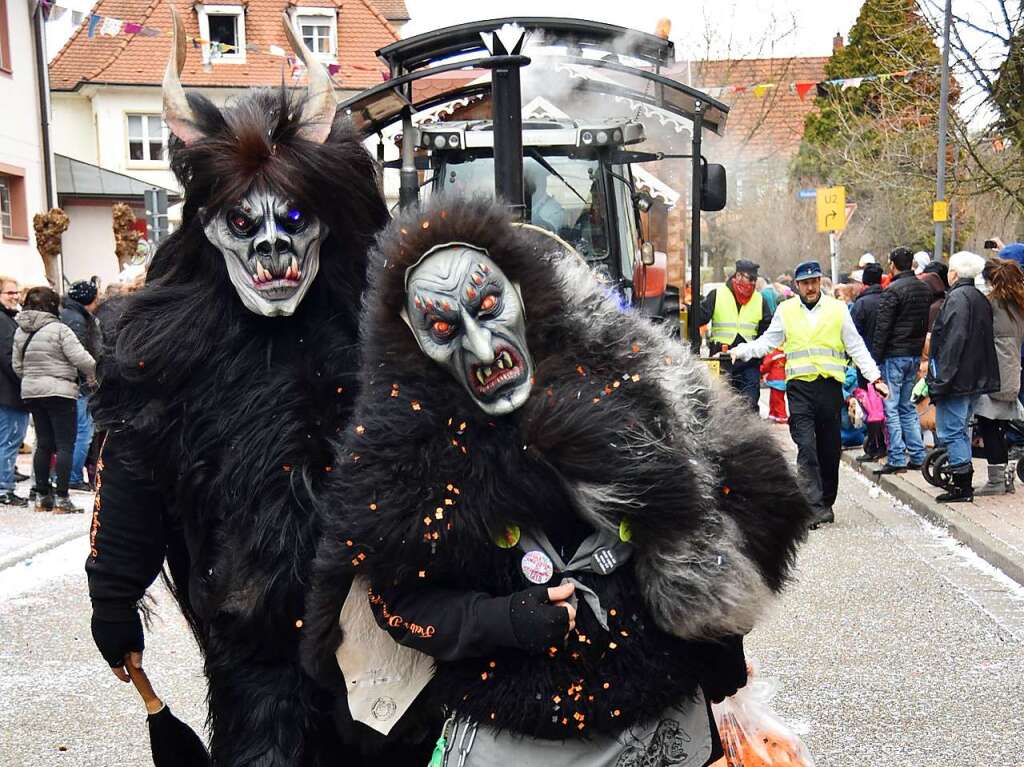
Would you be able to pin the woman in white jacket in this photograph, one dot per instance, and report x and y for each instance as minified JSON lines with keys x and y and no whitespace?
{"x":48,"y":357}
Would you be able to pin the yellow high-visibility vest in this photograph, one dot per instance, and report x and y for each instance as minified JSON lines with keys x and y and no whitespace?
{"x":730,"y":320}
{"x":816,"y":350}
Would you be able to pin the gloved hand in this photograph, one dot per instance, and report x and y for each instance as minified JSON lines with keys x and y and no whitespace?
{"x":120,"y":642}
{"x":721,"y":667}
{"x":542,"y":616}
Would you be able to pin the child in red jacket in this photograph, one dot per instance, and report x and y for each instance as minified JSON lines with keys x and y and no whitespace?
{"x":773,"y":368}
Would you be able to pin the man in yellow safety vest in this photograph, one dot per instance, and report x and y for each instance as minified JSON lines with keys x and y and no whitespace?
{"x":817,"y":334}
{"x":737,"y":313}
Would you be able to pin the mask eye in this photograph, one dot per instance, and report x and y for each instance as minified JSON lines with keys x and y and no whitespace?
{"x":240,"y":222}
{"x":294,"y":221}
{"x":442,"y":329}
{"x":489,"y":303}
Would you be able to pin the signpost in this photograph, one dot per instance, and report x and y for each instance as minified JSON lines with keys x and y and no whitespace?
{"x":830,"y":205}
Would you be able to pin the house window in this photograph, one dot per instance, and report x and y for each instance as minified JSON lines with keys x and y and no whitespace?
{"x":319,"y":30}
{"x":5,"y":39}
{"x":147,"y":138}
{"x":13,"y":210}
{"x":223,"y":26}
{"x":5,"y":207}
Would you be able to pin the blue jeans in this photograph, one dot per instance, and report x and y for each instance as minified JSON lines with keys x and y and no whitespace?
{"x":13,"y":425}
{"x":83,"y":438}
{"x":900,"y":374}
{"x":951,"y":417}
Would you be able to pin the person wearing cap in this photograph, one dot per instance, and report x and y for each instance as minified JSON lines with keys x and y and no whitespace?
{"x":817,"y":333}
{"x":1015,"y":252}
{"x":737,"y":313}
{"x":961,"y":367}
{"x":77,"y":313}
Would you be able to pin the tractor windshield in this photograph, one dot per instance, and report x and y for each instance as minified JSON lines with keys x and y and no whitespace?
{"x":568,"y":201}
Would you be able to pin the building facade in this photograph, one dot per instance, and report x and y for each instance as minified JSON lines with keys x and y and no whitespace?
{"x":23,"y":165}
{"x":107,"y":98}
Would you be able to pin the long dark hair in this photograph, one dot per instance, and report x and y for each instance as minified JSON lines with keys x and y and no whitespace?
{"x":189,"y":314}
{"x":1007,"y":281}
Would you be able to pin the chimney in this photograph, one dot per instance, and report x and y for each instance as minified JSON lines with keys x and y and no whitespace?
{"x":837,"y":43}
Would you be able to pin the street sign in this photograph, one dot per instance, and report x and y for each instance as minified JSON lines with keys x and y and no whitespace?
{"x":940,"y":212}
{"x":806,"y":194}
{"x":156,"y":213}
{"x":831,"y":208}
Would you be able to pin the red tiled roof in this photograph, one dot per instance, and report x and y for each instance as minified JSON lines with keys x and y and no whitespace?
{"x":768,"y":126}
{"x":138,"y":60}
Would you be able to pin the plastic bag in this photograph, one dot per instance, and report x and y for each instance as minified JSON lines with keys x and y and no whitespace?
{"x":752,"y":736}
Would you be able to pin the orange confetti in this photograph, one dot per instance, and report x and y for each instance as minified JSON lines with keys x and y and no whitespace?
{"x":492,"y":664}
{"x":726,"y":490}
{"x":422,"y":573}
{"x":425,"y":225}
{"x":415,"y":404}
{"x":606,"y":685}
{"x":616,"y":712}
{"x":287,"y":467}
{"x":348,"y":542}
{"x":142,"y":364}
{"x":612,"y":646}
{"x":328,"y":469}
{"x":581,"y":370}
{"x":340,"y":389}
{"x":635,"y":377}
{"x":427,"y":521}
{"x":360,"y":429}
{"x":298,"y":623}
{"x":373,"y":507}
{"x":635,"y":348}
{"x":483,"y":676}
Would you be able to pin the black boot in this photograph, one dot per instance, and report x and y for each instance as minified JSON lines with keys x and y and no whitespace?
{"x":962,"y":489}
{"x":823,"y":516}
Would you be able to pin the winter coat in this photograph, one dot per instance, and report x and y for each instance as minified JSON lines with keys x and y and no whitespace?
{"x":902,"y":320}
{"x":1008,"y":329}
{"x":865,"y":312}
{"x":10,"y":384}
{"x":938,"y":288}
{"x":963,"y":352}
{"x":82,"y":321}
{"x":773,"y":368}
{"x":54,"y":356}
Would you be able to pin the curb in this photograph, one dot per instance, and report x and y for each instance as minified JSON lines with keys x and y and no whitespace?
{"x":16,"y":557}
{"x":957,"y":524}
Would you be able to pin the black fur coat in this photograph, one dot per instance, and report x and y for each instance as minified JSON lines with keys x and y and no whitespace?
{"x":622,"y":424}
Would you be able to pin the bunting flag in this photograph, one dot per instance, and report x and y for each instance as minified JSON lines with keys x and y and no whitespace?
{"x":802,"y":89}
{"x":93,"y":21}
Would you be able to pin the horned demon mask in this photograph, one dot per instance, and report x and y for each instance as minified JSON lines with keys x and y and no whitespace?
{"x":271,"y":247}
{"x":468,"y":317}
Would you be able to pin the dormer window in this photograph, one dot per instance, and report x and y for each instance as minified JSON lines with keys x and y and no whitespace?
{"x":319,"y":30}
{"x":223,"y":29}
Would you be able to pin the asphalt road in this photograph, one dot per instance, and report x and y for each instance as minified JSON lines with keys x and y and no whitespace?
{"x":894,"y":646}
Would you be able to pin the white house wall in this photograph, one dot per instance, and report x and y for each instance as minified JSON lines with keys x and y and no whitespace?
{"x":89,"y":242}
{"x":21,"y":143}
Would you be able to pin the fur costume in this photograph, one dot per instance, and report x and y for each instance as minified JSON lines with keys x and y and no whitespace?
{"x":623,"y":428}
{"x":221,"y":423}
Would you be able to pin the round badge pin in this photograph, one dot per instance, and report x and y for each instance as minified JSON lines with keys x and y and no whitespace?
{"x":537,"y":567}
{"x":509,"y":537}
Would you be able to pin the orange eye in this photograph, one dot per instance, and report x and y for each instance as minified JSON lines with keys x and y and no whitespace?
{"x":488,"y":303}
{"x":442,"y":327}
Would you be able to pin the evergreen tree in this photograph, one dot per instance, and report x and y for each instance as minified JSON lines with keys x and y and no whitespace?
{"x":879,"y":139}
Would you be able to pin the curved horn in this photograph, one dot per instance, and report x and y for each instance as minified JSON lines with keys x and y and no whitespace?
{"x":321,"y":104}
{"x":177,"y":113}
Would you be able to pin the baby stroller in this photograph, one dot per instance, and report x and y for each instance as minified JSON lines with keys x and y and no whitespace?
{"x":935,"y":468}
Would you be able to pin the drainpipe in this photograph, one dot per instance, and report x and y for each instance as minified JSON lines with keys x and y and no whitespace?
{"x":43,"y":83}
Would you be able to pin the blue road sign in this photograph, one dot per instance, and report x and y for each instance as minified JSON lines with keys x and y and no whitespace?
{"x":807,"y":194}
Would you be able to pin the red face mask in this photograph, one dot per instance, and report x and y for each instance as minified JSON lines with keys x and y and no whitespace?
{"x":743,"y":290}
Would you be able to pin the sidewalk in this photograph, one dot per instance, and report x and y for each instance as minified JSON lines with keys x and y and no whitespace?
{"x":992,"y":526}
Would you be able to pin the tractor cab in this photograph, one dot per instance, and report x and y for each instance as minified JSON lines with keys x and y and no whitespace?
{"x":574,"y":185}
{"x":571,"y":176}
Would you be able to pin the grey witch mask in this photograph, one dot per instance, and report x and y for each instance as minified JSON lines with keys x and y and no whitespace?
{"x":468,"y":317}
{"x":271,"y":248}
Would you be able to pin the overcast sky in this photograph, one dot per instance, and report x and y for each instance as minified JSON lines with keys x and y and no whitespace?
{"x":740,"y":28}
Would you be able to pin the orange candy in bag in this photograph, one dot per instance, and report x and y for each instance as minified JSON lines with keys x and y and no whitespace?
{"x":752,"y":736}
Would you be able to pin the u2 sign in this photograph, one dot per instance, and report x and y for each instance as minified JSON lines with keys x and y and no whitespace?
{"x":831,"y":208}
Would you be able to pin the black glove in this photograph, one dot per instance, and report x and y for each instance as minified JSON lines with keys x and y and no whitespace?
{"x":536,"y":623}
{"x":115,"y":639}
{"x":721,"y":667}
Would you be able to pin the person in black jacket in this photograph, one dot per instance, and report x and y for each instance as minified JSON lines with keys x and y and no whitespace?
{"x":900,"y":330}
{"x":78,"y":314}
{"x":962,"y":366}
{"x":864,"y":313}
{"x":13,"y":414}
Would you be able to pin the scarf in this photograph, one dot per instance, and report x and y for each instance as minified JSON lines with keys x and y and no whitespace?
{"x":742,"y":291}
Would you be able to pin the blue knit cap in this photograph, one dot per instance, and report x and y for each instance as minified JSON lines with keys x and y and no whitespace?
{"x":83,"y":291}
{"x":1013,"y":252}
